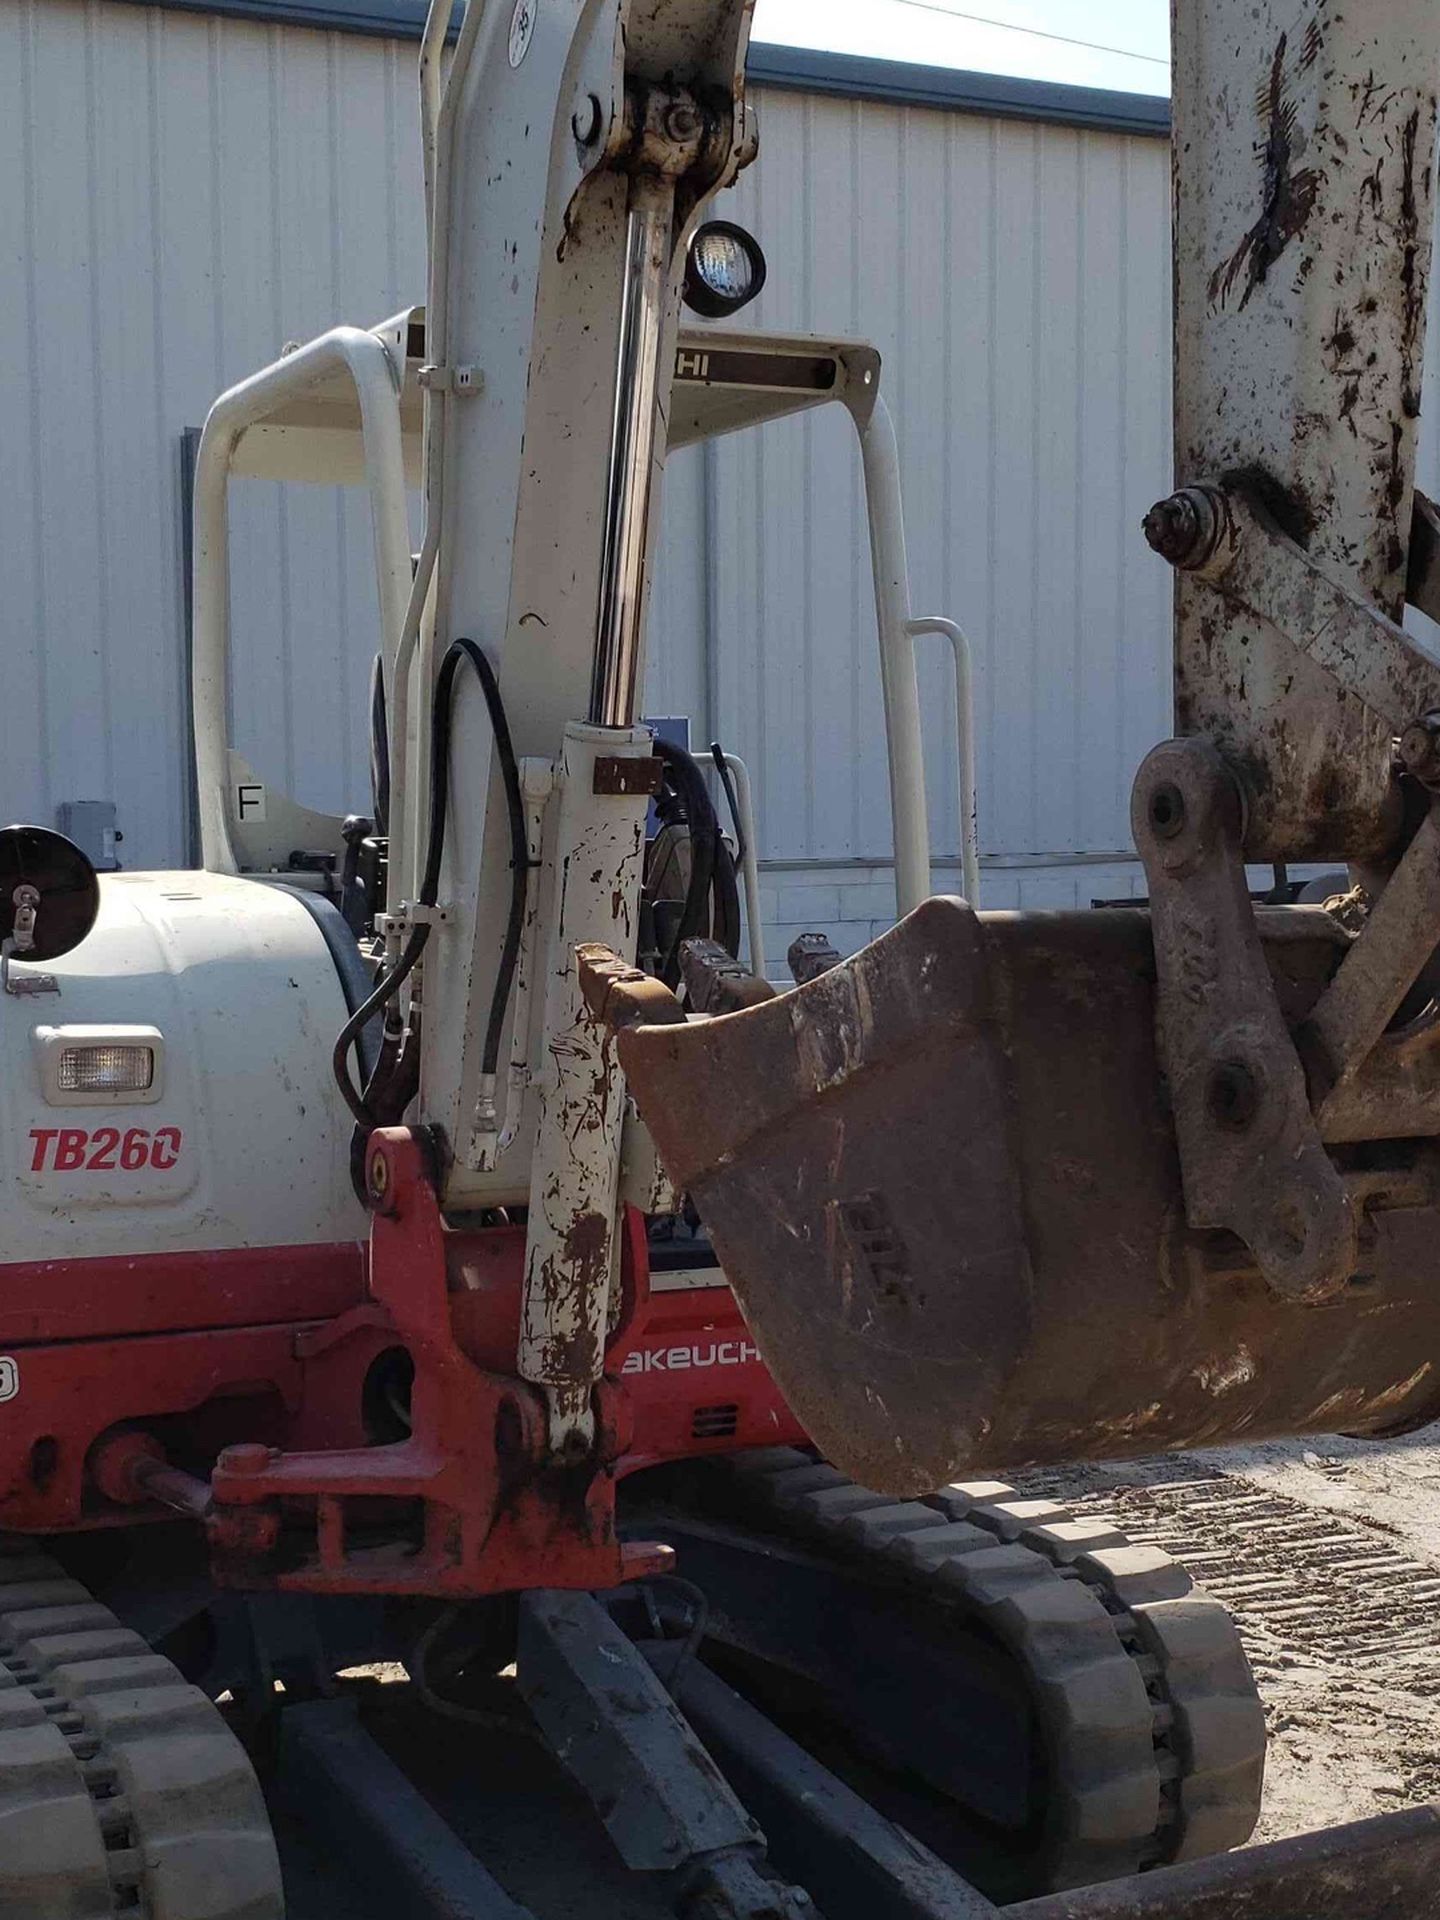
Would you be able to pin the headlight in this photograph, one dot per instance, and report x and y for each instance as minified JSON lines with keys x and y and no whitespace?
{"x":107,"y":1069}
{"x":724,"y":272}
{"x":100,"y":1066}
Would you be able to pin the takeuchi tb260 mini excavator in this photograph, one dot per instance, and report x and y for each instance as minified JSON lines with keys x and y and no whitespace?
{"x":426,"y":1239}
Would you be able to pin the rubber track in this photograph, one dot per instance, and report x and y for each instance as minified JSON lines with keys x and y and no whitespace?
{"x":123,"y":1794}
{"x":1155,"y":1731}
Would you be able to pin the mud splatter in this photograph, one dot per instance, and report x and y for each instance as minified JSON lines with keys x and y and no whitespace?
{"x":1289,"y":195}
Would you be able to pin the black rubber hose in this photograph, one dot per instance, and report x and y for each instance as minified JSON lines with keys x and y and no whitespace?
{"x":379,"y":748}
{"x":704,"y":828}
{"x":696,"y":1628}
{"x":726,"y":923}
{"x":712,"y":900}
{"x":725,"y":889}
{"x":717,"y":754}
{"x":519,"y":854}
{"x":389,"y":986}
{"x":721,"y":915}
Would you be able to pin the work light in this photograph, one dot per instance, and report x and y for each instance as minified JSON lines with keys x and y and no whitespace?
{"x":107,"y":1069}
{"x":100,"y":1066}
{"x":724,"y":272}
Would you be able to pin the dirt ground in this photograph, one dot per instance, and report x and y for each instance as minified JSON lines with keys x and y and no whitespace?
{"x":1327,"y":1552}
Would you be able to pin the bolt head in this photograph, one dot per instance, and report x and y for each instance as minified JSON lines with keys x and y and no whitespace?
{"x":585,"y":122}
{"x":682,"y":123}
{"x":248,"y":1458}
{"x":1173,"y":528}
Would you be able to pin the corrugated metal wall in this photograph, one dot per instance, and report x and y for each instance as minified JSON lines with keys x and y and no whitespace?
{"x":181,"y":195}
{"x":178,"y":197}
{"x":1015,"y":279}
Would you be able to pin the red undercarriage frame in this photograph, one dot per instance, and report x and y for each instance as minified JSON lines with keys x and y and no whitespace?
{"x":279,"y":1355}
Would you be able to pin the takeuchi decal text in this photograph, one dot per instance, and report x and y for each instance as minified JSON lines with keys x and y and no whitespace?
{"x":704,"y":1353}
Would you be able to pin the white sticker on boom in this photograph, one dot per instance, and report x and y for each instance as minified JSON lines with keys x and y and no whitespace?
{"x":9,"y":1378}
{"x":249,"y":801}
{"x":522,"y":28}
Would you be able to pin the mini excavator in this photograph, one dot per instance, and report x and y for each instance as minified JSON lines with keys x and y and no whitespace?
{"x":426,"y":1238}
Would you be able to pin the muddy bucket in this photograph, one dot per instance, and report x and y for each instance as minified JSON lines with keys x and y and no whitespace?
{"x":943,"y":1183}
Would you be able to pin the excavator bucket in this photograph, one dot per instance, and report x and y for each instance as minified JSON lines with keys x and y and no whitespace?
{"x":899,"y":1300}
{"x":943,"y":1182}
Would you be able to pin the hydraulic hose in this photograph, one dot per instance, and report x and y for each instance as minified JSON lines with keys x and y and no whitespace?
{"x":722,"y":773}
{"x":387,"y":988}
{"x":712,"y":898}
{"x":379,"y":748}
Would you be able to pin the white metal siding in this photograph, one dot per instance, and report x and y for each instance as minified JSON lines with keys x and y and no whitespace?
{"x":1015,"y":280}
{"x":178,"y":197}
{"x":181,"y":195}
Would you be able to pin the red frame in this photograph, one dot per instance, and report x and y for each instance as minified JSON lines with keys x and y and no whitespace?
{"x":261,"y":1356}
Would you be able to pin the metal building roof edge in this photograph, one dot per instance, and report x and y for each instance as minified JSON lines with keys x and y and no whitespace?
{"x":796,"y":69}
{"x":852,"y":76}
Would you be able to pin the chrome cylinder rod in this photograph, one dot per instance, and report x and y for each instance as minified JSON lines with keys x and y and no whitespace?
{"x":615,"y":682}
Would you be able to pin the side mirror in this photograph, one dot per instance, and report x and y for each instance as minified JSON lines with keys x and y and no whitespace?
{"x":49,"y":895}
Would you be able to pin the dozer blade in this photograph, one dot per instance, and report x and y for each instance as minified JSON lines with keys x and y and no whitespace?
{"x":943,"y":1183}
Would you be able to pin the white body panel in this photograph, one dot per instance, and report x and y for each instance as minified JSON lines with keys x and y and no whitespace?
{"x":243,"y":1141}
